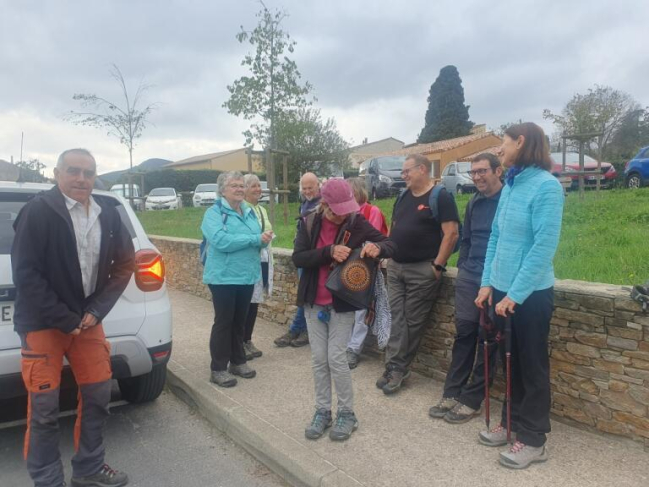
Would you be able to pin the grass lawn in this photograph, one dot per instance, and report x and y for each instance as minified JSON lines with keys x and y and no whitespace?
{"x":605,"y":238}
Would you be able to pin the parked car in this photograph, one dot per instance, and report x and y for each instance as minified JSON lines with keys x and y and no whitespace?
{"x":456,"y":179}
{"x":124,"y":190}
{"x":606,"y":176}
{"x":382,"y":175}
{"x":138,"y":327}
{"x":204,"y":195}
{"x":163,"y":199}
{"x":636,"y":171}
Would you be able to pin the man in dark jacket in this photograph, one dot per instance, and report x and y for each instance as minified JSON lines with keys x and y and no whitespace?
{"x":461,"y":400}
{"x":72,"y":258}
{"x":297,"y":335}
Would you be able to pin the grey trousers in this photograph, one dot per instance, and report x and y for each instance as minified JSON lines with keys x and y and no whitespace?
{"x":412,"y":289}
{"x":359,"y":333}
{"x":328,"y":352}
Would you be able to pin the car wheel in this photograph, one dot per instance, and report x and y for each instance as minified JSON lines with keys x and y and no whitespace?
{"x":633,"y":181}
{"x":144,"y":388}
{"x":459,"y":190}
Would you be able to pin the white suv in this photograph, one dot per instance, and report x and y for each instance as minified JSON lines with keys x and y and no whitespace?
{"x":138,"y":327}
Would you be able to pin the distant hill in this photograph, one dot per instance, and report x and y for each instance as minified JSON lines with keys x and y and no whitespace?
{"x":111,"y":178}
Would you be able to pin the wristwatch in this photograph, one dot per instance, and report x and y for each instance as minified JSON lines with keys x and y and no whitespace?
{"x":439,"y":268}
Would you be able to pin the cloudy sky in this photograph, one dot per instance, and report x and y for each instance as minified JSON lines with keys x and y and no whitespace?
{"x":371,"y":63}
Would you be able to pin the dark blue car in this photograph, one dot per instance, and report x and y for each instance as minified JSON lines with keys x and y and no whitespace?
{"x":636,"y":171}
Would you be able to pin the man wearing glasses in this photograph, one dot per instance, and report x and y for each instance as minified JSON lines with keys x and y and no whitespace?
{"x":461,"y":400}
{"x":424,"y":244}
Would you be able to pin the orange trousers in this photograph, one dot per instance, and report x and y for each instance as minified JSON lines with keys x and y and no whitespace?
{"x":42,"y":362}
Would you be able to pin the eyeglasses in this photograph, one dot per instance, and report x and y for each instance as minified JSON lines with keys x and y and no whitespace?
{"x":477,"y":172}
{"x":405,"y":172}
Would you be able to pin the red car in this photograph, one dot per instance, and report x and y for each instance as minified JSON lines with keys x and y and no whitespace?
{"x":607,"y":172}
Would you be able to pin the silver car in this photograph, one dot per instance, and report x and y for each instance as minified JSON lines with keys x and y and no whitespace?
{"x":456,"y":179}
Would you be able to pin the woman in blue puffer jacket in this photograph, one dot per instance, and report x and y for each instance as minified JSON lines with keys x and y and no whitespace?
{"x":232,"y":267}
{"x":518,"y":278}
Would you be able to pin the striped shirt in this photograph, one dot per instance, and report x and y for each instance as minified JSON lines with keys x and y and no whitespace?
{"x":87,"y":233}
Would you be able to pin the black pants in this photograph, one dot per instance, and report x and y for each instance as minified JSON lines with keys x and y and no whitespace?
{"x":231,"y":304}
{"x":530,"y":366}
{"x":250,"y":321}
{"x":464,"y":360}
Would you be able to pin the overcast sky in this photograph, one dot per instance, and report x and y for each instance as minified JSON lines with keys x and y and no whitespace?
{"x":371,"y":63}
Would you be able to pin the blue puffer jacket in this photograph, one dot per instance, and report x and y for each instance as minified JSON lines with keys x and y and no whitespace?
{"x":233,"y":247}
{"x":525,"y":235}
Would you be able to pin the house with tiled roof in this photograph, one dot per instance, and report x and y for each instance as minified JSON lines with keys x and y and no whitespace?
{"x":359,"y":153}
{"x":230,"y":160}
{"x":442,"y":152}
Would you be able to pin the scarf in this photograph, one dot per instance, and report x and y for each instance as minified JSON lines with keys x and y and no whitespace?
{"x":512,"y":173}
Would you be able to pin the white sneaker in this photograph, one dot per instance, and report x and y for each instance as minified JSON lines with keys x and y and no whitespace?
{"x":522,"y":456}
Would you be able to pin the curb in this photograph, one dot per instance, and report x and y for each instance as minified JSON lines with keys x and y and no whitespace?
{"x":285,"y":456}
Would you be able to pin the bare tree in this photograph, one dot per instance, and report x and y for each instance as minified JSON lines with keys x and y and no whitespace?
{"x":126,"y":122}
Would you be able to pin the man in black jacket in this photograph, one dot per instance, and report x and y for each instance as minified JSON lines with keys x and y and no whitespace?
{"x":72,"y":258}
{"x":462,"y":399}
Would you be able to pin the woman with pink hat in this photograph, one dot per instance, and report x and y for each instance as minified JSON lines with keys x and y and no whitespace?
{"x":326,"y":238}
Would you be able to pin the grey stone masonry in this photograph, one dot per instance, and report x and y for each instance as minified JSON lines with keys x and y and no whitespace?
{"x":599,"y":340}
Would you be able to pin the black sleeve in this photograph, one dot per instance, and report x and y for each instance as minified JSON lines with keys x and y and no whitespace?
{"x":28,"y":262}
{"x":121,"y":269}
{"x":304,"y":256}
{"x":387,"y":246}
{"x":465,"y":243}
{"x":446,"y":208}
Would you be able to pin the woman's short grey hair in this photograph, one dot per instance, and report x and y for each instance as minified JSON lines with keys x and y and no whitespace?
{"x":224,"y":179}
{"x":250,"y":179}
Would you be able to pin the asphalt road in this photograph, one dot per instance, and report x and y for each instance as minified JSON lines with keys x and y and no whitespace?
{"x":164,"y":443}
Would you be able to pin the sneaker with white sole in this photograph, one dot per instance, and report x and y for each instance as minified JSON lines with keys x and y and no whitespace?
{"x":461,"y":413}
{"x":495,"y":437}
{"x":521,"y":456}
{"x":444,"y":405}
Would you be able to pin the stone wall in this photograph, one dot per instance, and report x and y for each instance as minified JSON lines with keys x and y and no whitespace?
{"x":599,"y":340}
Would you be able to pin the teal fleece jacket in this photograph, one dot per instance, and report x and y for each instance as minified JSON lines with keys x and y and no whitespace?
{"x":233,"y":247}
{"x":525,"y":235}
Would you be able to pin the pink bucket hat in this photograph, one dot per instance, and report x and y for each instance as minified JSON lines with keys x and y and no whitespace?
{"x":338,"y":194}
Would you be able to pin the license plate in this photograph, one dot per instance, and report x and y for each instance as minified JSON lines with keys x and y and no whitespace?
{"x":594,"y":178}
{"x":7,"y":314}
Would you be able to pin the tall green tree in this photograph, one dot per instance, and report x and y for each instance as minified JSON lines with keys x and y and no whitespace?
{"x":601,"y":110}
{"x":273,"y":84}
{"x":447,"y":115}
{"x":314,"y":144}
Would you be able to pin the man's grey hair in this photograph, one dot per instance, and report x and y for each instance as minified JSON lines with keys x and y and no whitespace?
{"x":250,"y":179}
{"x":224,"y":179}
{"x":85,"y":152}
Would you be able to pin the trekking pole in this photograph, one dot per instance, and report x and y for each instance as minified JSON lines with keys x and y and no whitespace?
{"x":508,"y":362}
{"x":483,"y":332}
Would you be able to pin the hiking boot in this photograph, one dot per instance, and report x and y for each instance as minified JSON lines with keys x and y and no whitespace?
{"x":243,"y":370}
{"x":444,"y":405}
{"x":352,"y":359}
{"x":495,"y":437}
{"x":223,"y":378}
{"x":461,"y":413}
{"x":286,"y":339}
{"x":395,"y":381}
{"x":251,"y":350}
{"x":320,"y":422}
{"x":301,"y":340}
{"x":106,"y":477}
{"x":346,"y":424}
{"x":383,"y":380}
{"x":522,"y":456}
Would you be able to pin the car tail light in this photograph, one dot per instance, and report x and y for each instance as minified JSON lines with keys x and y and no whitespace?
{"x":150,"y":272}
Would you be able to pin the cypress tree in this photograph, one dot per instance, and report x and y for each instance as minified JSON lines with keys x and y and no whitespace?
{"x":447,"y":115}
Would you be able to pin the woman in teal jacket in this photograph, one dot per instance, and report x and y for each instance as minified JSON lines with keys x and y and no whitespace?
{"x":232,"y":267}
{"x":518,"y":277}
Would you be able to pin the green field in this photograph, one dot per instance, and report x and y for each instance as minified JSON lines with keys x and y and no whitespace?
{"x":605,"y":238}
